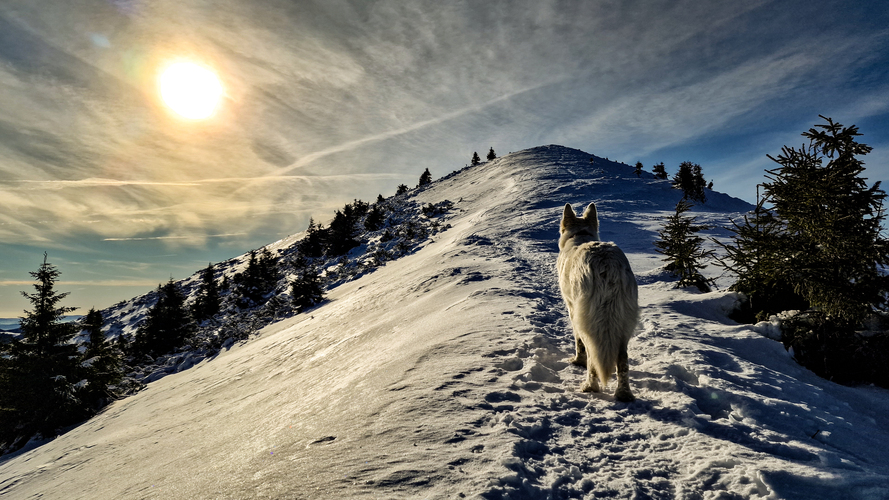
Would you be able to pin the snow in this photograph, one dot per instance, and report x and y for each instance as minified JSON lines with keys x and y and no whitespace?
{"x":444,"y":374}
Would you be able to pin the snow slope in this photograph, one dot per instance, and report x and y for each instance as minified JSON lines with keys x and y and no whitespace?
{"x":443,"y":375}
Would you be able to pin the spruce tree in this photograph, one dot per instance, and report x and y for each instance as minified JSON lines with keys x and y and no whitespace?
{"x":307,"y":289}
{"x":660,"y":172}
{"x":638,"y":170}
{"x":832,"y":220}
{"x":491,"y":154}
{"x":475,"y":159}
{"x":683,"y":248}
{"x":690,"y":179}
{"x":102,"y":363}
{"x":39,"y":389}
{"x":314,"y":242}
{"x":425,"y":178}
{"x":375,"y":218}
{"x":207,"y":302}
{"x":402,"y":188}
{"x":167,"y":325}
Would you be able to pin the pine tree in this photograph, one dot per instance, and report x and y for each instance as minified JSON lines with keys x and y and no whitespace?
{"x":660,"y":172}
{"x":167,"y":326}
{"x":425,"y":178}
{"x":638,"y":170}
{"x":683,"y":249}
{"x":402,"y":188}
{"x":307,"y":289}
{"x":475,"y":159}
{"x":39,"y":390}
{"x":102,"y":363}
{"x":491,"y":154}
{"x":207,"y":302}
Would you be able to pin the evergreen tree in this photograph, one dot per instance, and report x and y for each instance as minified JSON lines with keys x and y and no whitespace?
{"x":638,"y":170}
{"x":475,"y":159}
{"x":755,"y":255}
{"x":206,"y":304}
{"x":660,"y":172}
{"x":401,"y":189}
{"x":39,"y":390}
{"x":307,"y":289}
{"x":425,"y":178}
{"x":314,"y":242}
{"x":832,"y":220}
{"x":491,"y":154}
{"x":375,"y":218}
{"x":341,"y":233}
{"x":380,"y":199}
{"x":690,"y":179}
{"x":167,"y":326}
{"x":102,"y":362}
{"x":683,"y":248}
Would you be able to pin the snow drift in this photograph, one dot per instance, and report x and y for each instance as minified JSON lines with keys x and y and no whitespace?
{"x":444,"y":374}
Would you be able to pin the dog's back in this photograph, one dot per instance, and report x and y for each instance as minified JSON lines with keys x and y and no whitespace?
{"x":600,"y":291}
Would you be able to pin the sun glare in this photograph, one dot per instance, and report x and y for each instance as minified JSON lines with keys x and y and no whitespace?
{"x":191,"y":90}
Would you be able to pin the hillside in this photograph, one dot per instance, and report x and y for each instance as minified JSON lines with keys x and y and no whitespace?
{"x":443,"y":374}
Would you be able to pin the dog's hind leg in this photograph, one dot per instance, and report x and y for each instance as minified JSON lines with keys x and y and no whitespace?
{"x":579,"y":359}
{"x":623,"y":392}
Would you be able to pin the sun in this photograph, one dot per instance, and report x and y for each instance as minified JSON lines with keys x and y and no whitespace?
{"x":190,"y":89}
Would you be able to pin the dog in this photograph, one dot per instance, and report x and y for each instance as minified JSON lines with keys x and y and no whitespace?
{"x":600,"y":291}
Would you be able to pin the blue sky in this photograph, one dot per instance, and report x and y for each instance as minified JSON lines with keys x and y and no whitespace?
{"x":329,"y":101}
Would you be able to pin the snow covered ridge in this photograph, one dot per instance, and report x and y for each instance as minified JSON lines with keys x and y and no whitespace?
{"x":407,"y":226}
{"x":444,"y":374}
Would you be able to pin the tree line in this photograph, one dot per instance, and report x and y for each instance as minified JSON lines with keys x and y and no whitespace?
{"x":48,"y":381}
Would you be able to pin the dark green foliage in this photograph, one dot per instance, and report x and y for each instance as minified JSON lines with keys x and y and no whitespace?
{"x":343,"y":229}
{"x":831,"y":220}
{"x":315,"y":241}
{"x":39,"y":372}
{"x":167,"y":326}
{"x":683,"y":249}
{"x":491,"y":154}
{"x":475,"y":159}
{"x":101,"y":361}
{"x":425,"y":178}
{"x":258,"y":279}
{"x":837,"y":352}
{"x":206,"y":304}
{"x":660,"y":172}
{"x":307,"y":290}
{"x":690,"y":179}
{"x":375,"y":218}
{"x":638,"y":169}
{"x":756,"y":257}
{"x":401,"y":189}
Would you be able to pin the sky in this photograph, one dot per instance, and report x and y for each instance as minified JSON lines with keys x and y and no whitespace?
{"x":329,"y":101}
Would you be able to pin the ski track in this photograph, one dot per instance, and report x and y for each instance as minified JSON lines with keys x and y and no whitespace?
{"x":463,"y":390}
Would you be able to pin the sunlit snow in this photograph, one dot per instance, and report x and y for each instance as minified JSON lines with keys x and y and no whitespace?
{"x":444,"y":374}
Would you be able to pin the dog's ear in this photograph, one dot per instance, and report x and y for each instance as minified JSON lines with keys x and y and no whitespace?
{"x":568,"y":214}
{"x":590,"y":213}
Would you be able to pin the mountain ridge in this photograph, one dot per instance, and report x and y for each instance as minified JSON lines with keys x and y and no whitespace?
{"x":444,"y":374}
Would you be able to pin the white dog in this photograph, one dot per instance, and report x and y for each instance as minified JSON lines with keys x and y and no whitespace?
{"x":600,"y":291}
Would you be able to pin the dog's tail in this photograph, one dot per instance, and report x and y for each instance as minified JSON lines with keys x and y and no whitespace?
{"x":612,"y":299}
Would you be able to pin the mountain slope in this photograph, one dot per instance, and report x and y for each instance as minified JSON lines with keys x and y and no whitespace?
{"x":443,"y":374}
